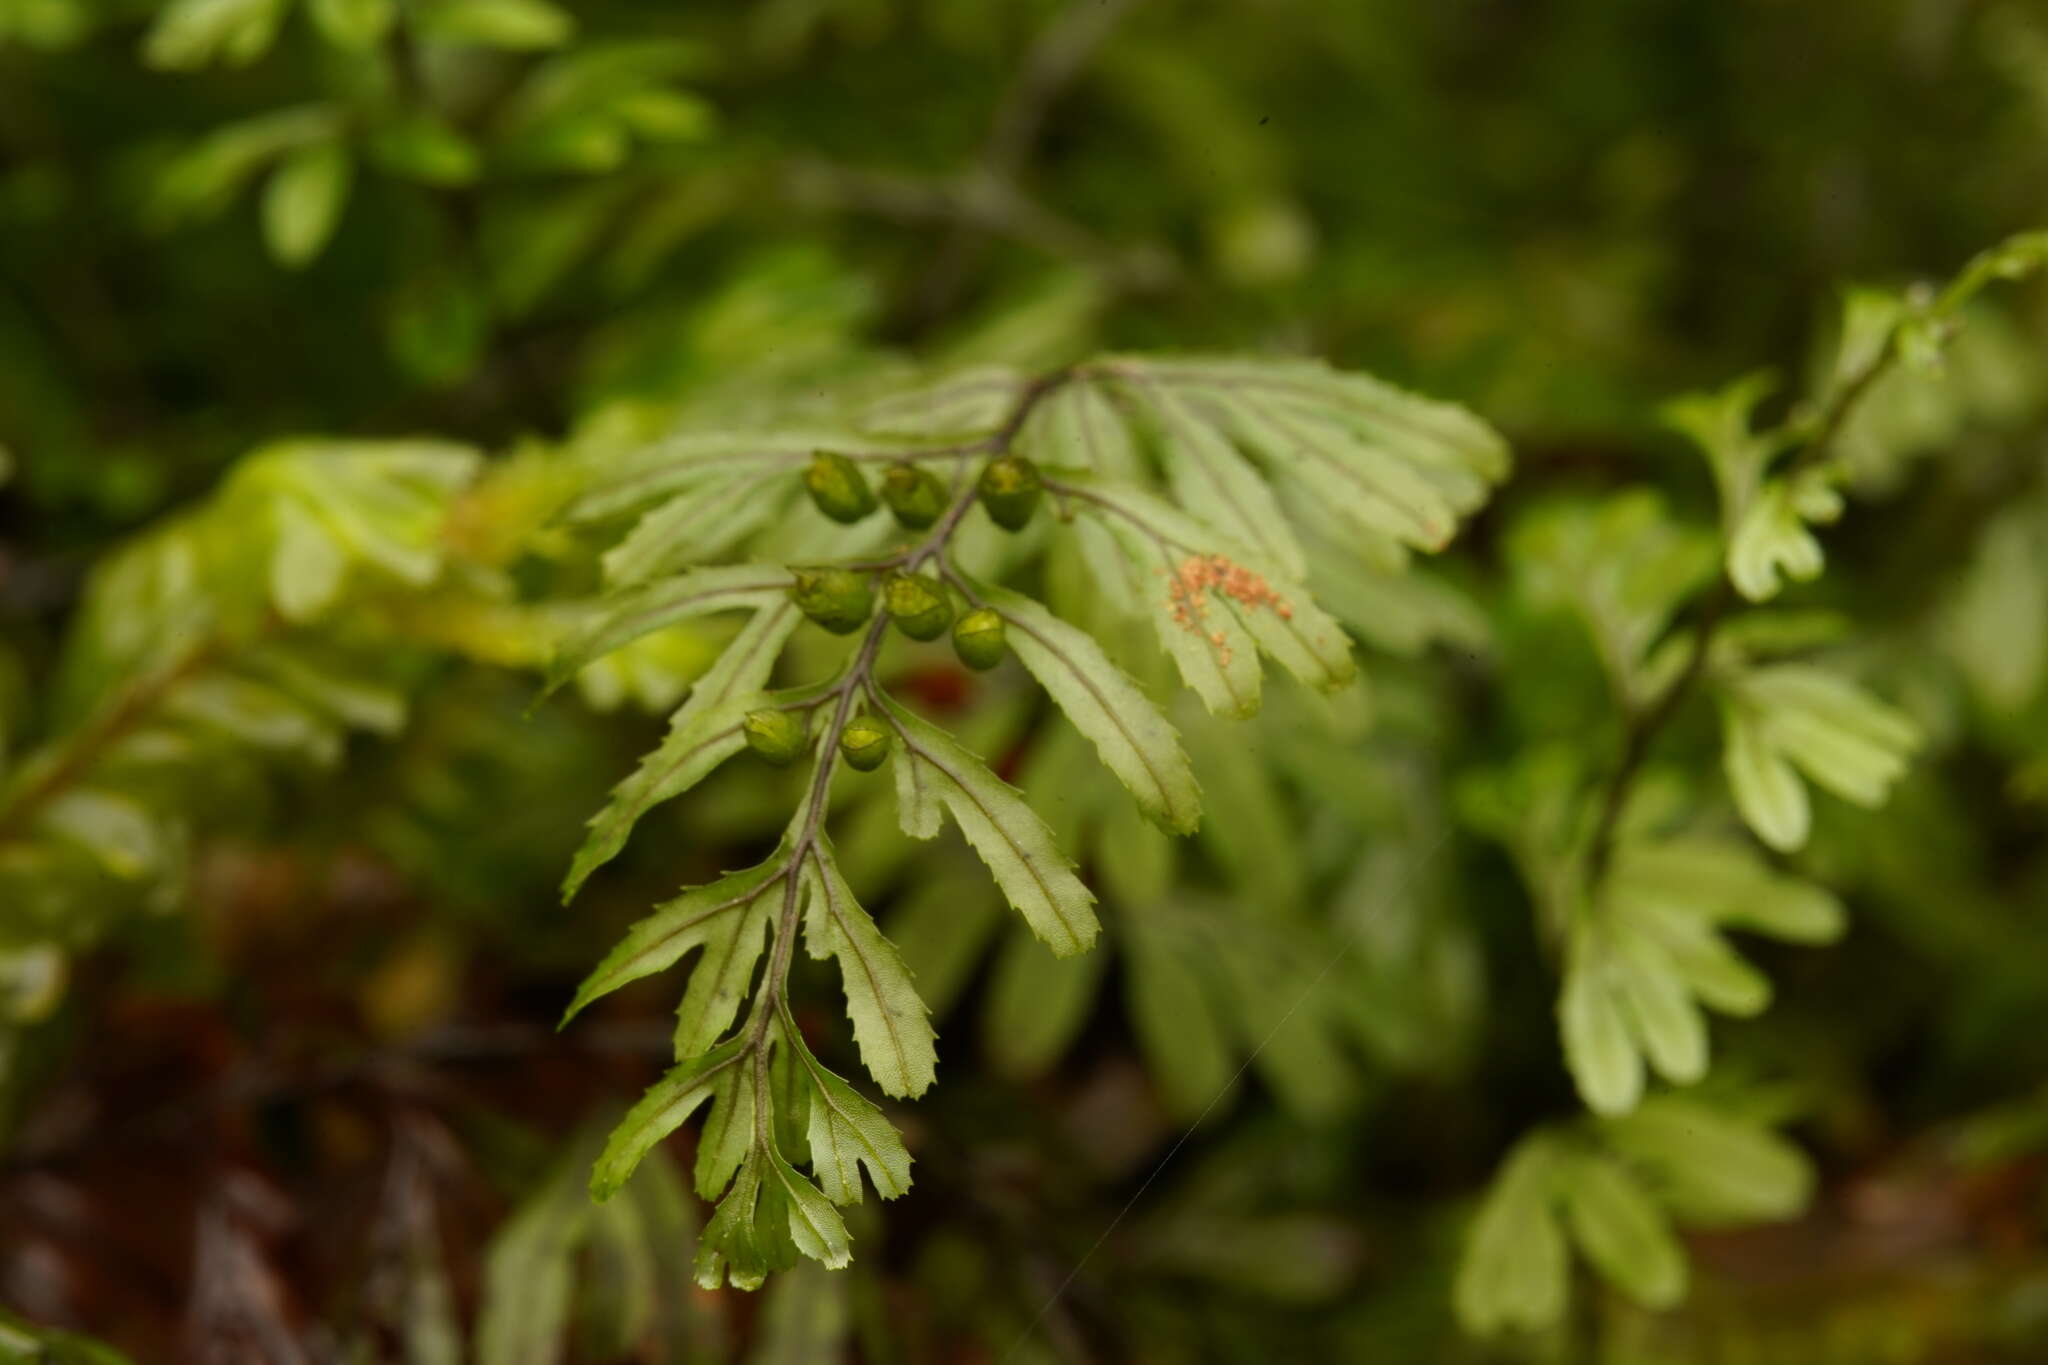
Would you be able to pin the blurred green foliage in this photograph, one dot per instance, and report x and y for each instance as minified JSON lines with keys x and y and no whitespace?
{"x":314,"y":318}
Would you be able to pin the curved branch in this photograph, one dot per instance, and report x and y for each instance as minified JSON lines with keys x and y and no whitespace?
{"x":1815,"y":434}
{"x":859,"y":680}
{"x":122,"y":717}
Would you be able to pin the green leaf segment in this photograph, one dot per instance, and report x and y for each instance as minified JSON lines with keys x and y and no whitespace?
{"x":1176,"y":469}
{"x":1639,"y":908}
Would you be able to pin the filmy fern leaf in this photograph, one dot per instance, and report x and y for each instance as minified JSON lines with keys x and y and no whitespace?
{"x":1170,"y":476}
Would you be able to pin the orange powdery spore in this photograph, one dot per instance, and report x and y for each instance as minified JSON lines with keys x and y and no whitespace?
{"x":1197,"y":576}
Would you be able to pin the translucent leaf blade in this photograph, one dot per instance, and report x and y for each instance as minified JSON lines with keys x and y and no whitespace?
{"x":846,"y":1134}
{"x":1515,"y":1269}
{"x":732,"y":946}
{"x":1177,"y":1017}
{"x":1622,"y":1231}
{"x":304,"y":200}
{"x":689,"y":921}
{"x":699,"y":740}
{"x":1712,"y":1167}
{"x":665,"y":1107}
{"x":1598,"y":1044}
{"x":890,"y":1022}
{"x":1012,"y":840}
{"x":1134,"y":738}
{"x":1767,"y":792}
{"x":628,"y":616}
{"x":695,"y":526}
{"x":1036,"y":1004}
{"x":1218,"y":485}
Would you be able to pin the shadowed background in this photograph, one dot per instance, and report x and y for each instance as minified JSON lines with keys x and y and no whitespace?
{"x":283,"y":1110}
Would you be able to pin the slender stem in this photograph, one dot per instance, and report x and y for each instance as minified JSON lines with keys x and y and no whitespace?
{"x":1644,"y":725}
{"x":1033,"y":393}
{"x":1166,"y":546}
{"x":856,"y":682}
{"x":927,"y":453}
{"x":805,"y":844}
{"x":108,"y":728}
{"x":1815,"y":435}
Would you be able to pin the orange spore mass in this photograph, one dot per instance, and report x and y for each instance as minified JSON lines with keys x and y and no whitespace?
{"x":1197,"y":576}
